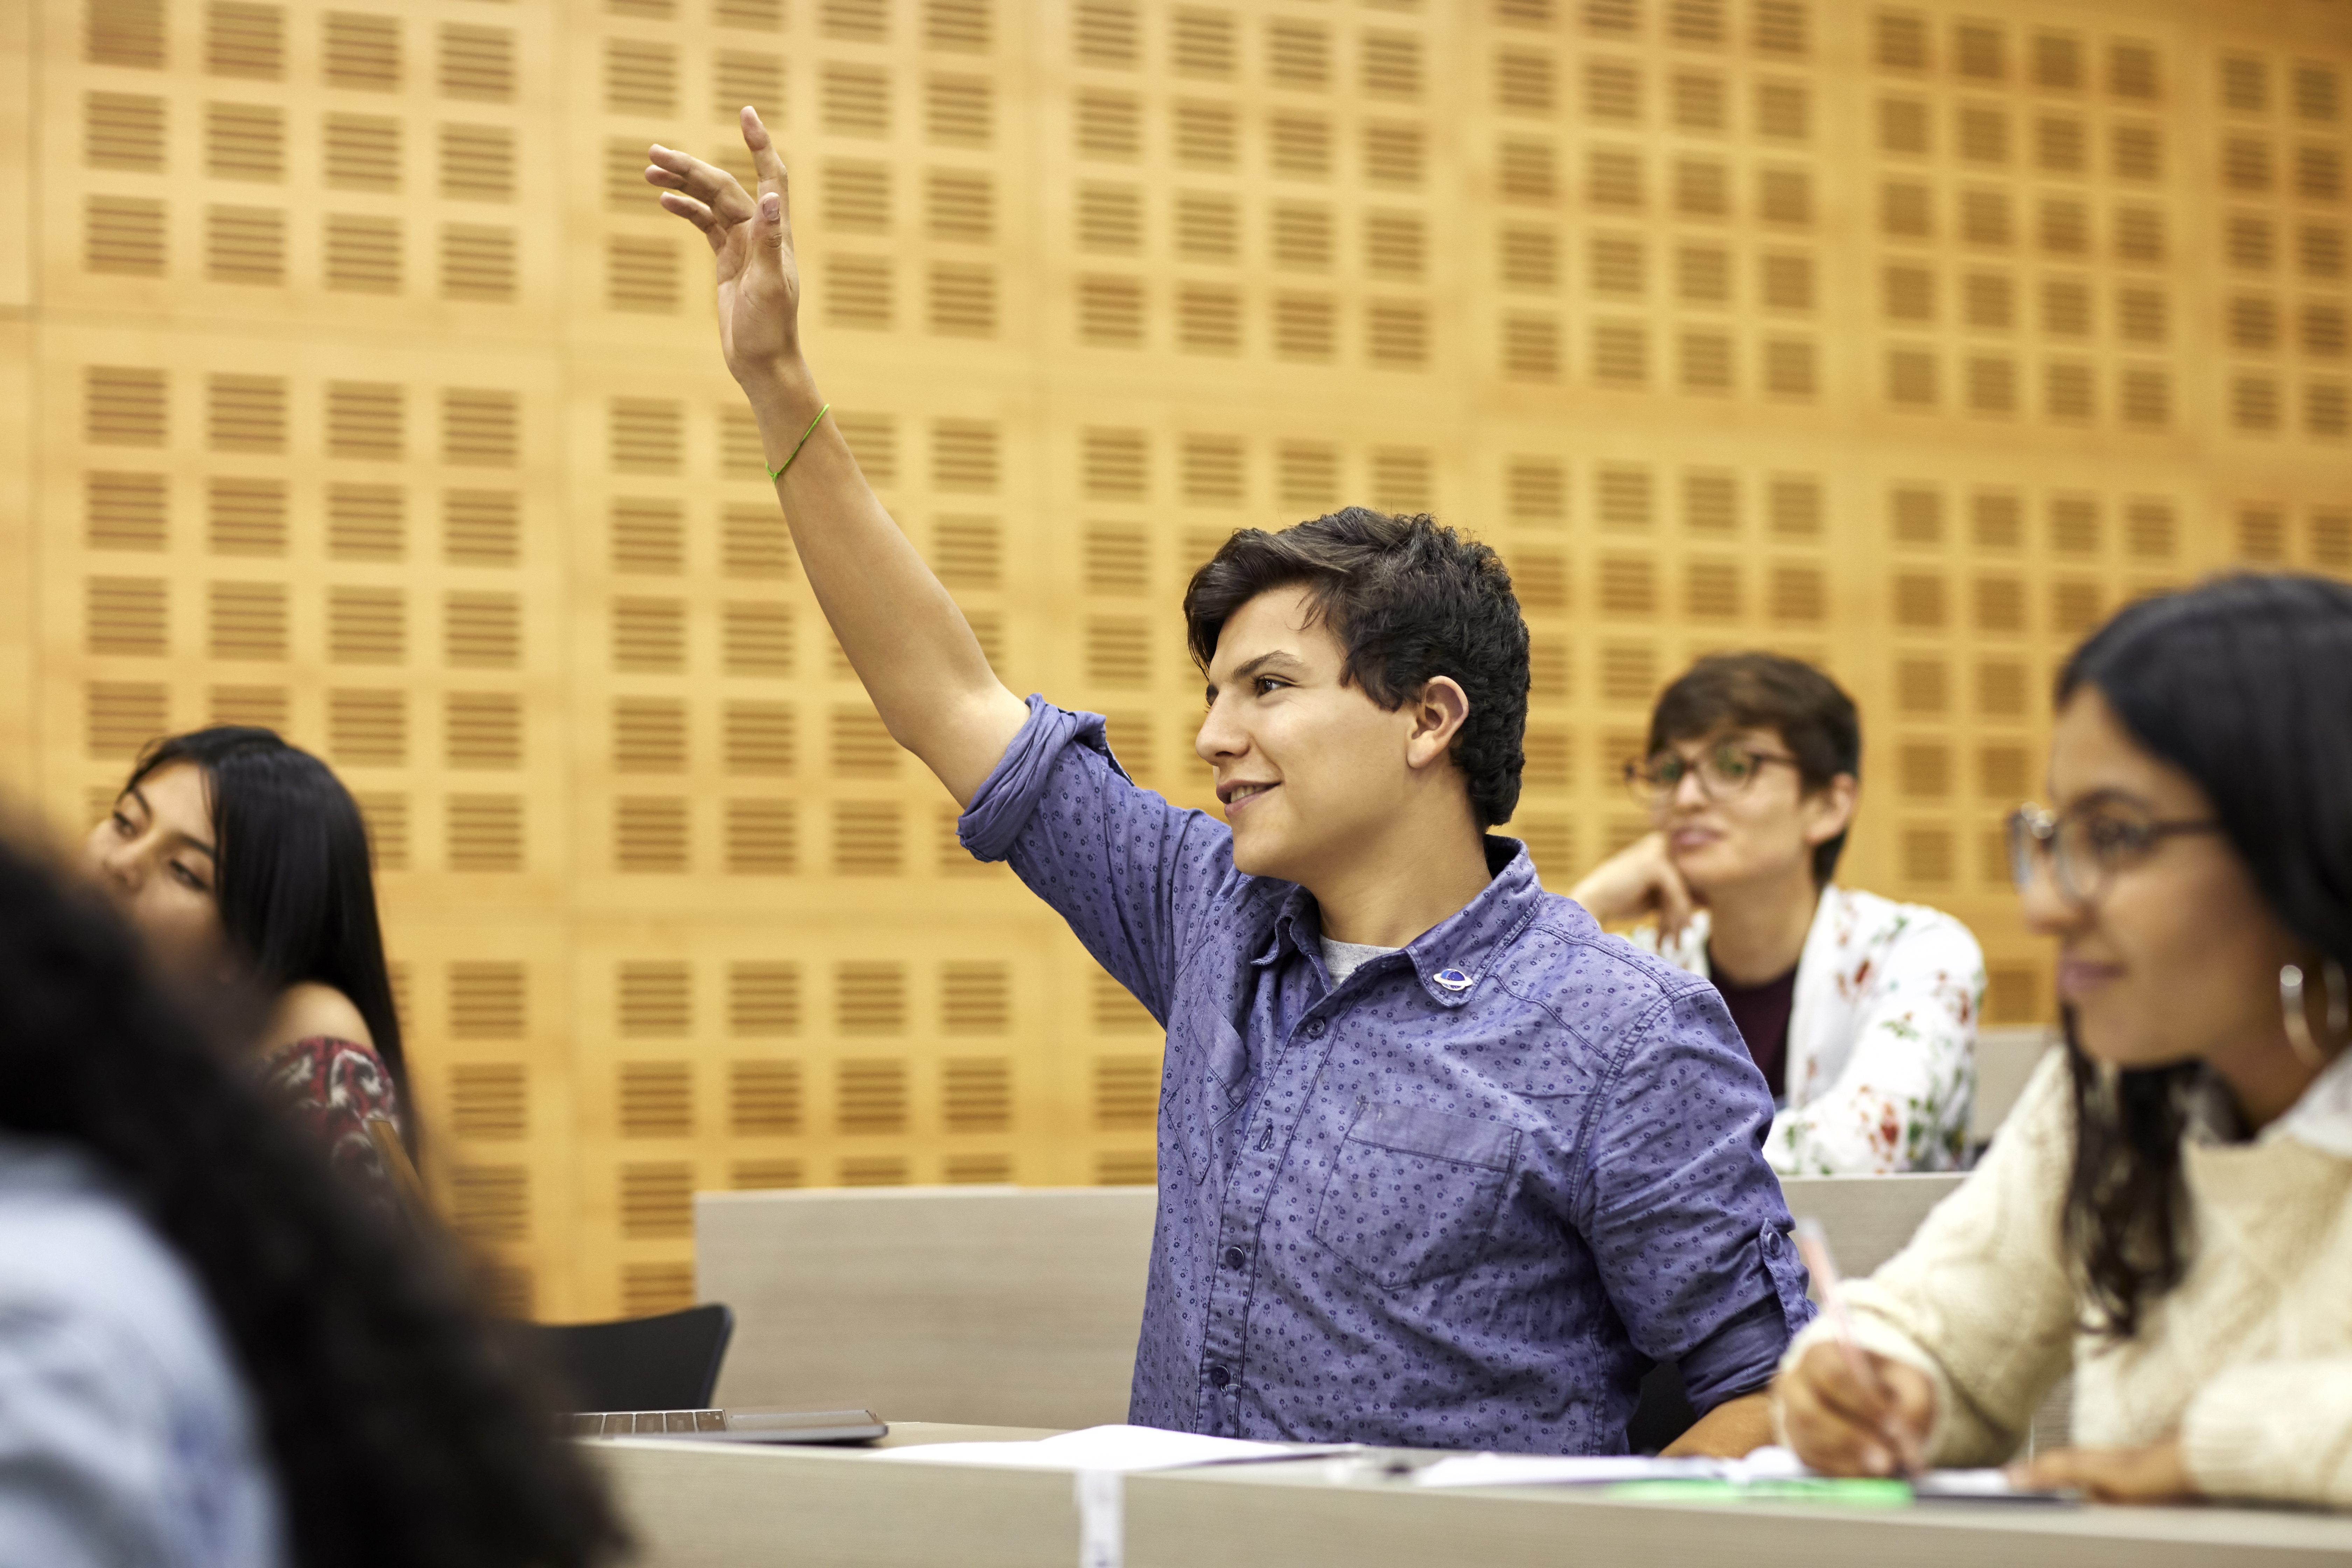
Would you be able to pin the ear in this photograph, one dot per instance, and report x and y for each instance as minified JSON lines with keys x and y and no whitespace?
{"x":1829,"y":810}
{"x":1438,"y":715}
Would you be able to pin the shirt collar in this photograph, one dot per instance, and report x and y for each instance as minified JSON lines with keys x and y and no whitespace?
{"x":1452,"y":958}
{"x":2322,"y":1117}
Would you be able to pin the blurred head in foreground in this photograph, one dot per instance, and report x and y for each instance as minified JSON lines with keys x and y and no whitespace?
{"x":269,"y":1357}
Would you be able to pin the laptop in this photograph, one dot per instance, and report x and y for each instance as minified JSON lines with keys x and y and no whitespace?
{"x":752,"y":1425}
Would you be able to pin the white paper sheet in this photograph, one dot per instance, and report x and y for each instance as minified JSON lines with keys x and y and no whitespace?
{"x":1540,"y":1470}
{"x":1959,"y":1484}
{"x":1537,"y":1470}
{"x":1118,"y":1449}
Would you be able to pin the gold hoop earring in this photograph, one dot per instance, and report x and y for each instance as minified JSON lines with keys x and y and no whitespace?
{"x":2298,"y":1028}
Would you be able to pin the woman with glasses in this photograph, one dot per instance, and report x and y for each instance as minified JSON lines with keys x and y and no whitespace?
{"x":2168,"y":1210}
{"x":1859,"y":1012}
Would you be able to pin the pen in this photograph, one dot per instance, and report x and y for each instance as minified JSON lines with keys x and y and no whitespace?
{"x":1814,"y":1248}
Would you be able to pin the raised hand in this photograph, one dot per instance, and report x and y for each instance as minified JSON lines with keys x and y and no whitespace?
{"x":750,"y":239}
{"x":902,"y":631}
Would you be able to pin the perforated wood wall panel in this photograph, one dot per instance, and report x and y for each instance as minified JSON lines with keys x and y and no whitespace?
{"x":354,"y":385}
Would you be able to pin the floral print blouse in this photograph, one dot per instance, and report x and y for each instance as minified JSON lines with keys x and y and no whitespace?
{"x":1882,"y":1041}
{"x":338,"y":1086}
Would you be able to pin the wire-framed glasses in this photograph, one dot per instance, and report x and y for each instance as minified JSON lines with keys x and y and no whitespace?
{"x":1723,"y":769}
{"x":2085,"y":848}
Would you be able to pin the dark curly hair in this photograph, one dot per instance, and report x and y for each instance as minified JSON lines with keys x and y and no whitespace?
{"x":1410,"y":600}
{"x":296,"y":890}
{"x":1814,"y":717}
{"x":2244,"y":683}
{"x":401,"y":1433}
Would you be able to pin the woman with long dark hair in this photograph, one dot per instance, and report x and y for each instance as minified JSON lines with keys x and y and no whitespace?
{"x":2166,"y":1211}
{"x":207,"y":1356}
{"x":244,"y":862}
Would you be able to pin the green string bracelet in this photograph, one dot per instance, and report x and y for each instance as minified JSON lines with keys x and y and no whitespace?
{"x":778,"y":472}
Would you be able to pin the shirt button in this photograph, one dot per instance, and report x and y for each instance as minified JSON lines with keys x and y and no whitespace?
{"x":1219,"y":1377}
{"x":1315,"y":1029}
{"x":1233,"y":1257}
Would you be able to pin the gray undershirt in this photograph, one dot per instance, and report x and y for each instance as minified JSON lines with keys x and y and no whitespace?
{"x":1344,"y":958}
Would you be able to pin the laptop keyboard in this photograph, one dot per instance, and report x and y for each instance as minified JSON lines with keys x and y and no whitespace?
{"x":627,"y":1423}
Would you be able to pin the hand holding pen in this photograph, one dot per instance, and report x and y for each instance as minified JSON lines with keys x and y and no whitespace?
{"x":1847,"y":1411}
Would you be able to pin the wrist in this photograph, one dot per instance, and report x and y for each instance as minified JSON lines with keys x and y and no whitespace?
{"x":782,"y":388}
{"x":1606,"y":897}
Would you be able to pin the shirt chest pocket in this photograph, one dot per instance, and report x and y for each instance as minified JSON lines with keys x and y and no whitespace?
{"x":1207,"y":1091}
{"x":1413,"y":1192}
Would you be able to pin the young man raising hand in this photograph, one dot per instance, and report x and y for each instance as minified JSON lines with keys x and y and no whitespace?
{"x":1440,"y":1163}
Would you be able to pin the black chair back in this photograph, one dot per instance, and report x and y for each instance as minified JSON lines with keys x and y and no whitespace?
{"x":1665,"y":1412}
{"x":666,"y":1362}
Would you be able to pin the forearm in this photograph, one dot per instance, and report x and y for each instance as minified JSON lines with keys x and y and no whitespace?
{"x":909,"y":643}
{"x":1637,"y":881}
{"x":1738,"y":1426}
{"x":1604,"y":901}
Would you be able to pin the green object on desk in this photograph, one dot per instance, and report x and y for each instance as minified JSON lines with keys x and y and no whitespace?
{"x":1836,"y":1490}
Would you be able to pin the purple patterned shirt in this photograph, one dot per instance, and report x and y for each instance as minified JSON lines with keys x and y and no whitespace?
{"x":1463,"y":1201}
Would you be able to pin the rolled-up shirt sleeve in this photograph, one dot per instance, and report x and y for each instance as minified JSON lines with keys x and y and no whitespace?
{"x":1684,"y":1215}
{"x":1134,"y":876}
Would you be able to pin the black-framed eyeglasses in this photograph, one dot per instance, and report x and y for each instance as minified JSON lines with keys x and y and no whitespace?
{"x":1723,"y":771}
{"x":2085,"y":848}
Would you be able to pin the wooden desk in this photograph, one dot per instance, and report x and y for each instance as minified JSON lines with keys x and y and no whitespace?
{"x":714,"y":1506}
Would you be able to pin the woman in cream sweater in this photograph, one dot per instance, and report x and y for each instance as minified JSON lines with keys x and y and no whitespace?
{"x":2166,"y":1211}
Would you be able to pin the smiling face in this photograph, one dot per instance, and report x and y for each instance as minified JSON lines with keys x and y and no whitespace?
{"x":154,"y":857}
{"x":1312,"y":771}
{"x":1761,"y":833}
{"x":2179,"y":958}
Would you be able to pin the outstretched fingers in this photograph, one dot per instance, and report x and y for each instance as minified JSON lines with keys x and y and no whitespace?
{"x":765,"y":159}
{"x":700,"y":215}
{"x":707,"y":184}
{"x":775,"y":231}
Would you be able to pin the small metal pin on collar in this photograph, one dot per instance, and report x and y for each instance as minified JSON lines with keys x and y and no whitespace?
{"x":1454,"y":979}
